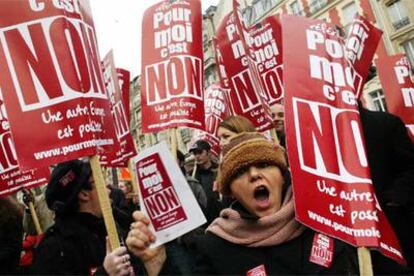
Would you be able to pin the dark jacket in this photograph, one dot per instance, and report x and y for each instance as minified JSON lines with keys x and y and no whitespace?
{"x":391,"y":160}
{"x":218,"y":256}
{"x":74,"y":245}
{"x":11,"y":235}
{"x":206,"y":177}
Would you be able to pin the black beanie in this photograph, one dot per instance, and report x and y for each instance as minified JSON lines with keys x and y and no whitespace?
{"x":66,"y":181}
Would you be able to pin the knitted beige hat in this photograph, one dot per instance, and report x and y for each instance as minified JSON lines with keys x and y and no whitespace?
{"x":244,"y":150}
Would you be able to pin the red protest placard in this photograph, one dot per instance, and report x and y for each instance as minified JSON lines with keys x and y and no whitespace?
{"x":12,"y":178}
{"x":331,"y":180}
{"x":363,"y":39}
{"x":239,"y":78}
{"x":124,"y":77}
{"x":172,"y":66}
{"x":396,"y":79}
{"x":51,"y":81}
{"x":125,"y":148}
{"x":217,"y":107}
{"x":266,"y":40}
{"x":158,"y":193}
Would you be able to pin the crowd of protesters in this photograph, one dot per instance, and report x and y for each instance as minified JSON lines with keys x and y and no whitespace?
{"x":247,"y":199}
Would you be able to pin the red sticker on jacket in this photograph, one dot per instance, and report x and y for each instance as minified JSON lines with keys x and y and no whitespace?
{"x":322,"y":250}
{"x":257,"y":271}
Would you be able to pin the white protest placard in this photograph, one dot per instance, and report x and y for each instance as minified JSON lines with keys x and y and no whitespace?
{"x":165,"y":196}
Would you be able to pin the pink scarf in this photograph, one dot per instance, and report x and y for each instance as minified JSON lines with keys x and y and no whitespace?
{"x":266,"y":231}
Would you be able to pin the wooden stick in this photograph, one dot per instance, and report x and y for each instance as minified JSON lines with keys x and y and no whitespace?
{"x":180,"y":143}
{"x":274,"y":136}
{"x":131,"y":169}
{"x":364,"y":260}
{"x":148,"y":141}
{"x":104,"y":202}
{"x":35,"y":218}
{"x":173,"y":135}
{"x":194,"y":169}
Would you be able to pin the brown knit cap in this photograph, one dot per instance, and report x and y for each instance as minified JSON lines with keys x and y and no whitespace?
{"x":244,"y":150}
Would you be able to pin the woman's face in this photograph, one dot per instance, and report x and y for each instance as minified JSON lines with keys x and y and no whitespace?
{"x":124,"y":188}
{"x":259,"y":189}
{"x":225,"y":135}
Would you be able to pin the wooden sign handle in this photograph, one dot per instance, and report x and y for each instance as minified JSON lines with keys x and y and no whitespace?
{"x":104,"y":202}
{"x":173,"y":136}
{"x":274,"y":136}
{"x":134,"y":179}
{"x":35,"y":218}
{"x":364,"y":260}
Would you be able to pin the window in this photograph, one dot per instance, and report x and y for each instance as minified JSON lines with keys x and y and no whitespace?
{"x":295,"y":8}
{"x":348,"y":12}
{"x":259,"y":9}
{"x":205,"y":41}
{"x":398,"y":14}
{"x":378,"y":99}
{"x":267,"y":5}
{"x":409,"y":51}
{"x":316,"y":5}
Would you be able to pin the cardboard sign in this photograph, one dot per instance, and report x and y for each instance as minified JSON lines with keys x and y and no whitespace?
{"x":239,"y":77}
{"x":124,"y":78}
{"x":216,"y":104}
{"x":51,"y":81}
{"x":331,"y":179}
{"x":172,"y":66}
{"x":267,"y":47}
{"x":12,"y":178}
{"x":360,"y":46}
{"x":257,"y":271}
{"x":396,"y":79}
{"x":322,"y":250}
{"x":124,"y":147}
{"x":166,"y":196}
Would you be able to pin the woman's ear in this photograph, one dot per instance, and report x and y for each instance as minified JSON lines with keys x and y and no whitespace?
{"x":84,"y":195}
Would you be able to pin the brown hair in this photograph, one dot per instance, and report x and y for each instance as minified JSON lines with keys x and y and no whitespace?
{"x":237,"y":124}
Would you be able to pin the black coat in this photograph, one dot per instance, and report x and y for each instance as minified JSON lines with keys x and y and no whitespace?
{"x":11,"y":236}
{"x":74,"y":245}
{"x":218,"y":256}
{"x":206,"y":178}
{"x":391,"y":160}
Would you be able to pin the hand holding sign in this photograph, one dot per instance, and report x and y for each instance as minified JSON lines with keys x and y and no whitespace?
{"x":138,"y":241}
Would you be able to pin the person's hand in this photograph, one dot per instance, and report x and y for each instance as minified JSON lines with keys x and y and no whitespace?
{"x":117,"y":262}
{"x":139,"y":240}
{"x":27,"y":198}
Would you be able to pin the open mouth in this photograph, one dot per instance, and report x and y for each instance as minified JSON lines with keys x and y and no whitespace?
{"x":261,"y":194}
